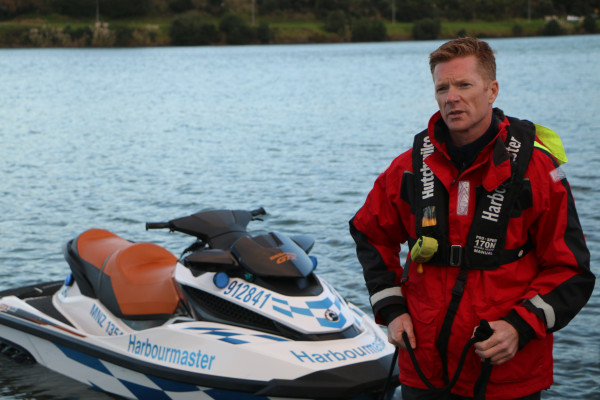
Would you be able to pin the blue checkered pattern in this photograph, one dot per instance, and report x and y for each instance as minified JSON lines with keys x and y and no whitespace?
{"x":315,"y":309}
{"x":108,"y":377}
{"x":357,"y":311}
{"x":144,"y":387}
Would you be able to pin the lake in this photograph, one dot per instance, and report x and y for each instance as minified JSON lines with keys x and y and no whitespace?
{"x":112,"y":138}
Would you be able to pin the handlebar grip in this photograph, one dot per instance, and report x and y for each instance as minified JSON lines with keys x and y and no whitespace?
{"x":157,"y":225}
{"x":258,"y":211}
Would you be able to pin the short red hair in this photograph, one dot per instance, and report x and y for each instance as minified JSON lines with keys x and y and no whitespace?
{"x":464,"y":47}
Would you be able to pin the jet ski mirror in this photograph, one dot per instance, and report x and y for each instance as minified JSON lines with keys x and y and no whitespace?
{"x":304,"y":241}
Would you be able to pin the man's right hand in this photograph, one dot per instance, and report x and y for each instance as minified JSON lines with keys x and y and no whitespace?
{"x":399,"y":325}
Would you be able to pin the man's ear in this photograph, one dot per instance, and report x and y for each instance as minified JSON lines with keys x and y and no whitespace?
{"x":493,"y":88}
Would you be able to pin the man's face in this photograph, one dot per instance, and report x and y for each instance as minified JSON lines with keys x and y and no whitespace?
{"x":465,"y":98}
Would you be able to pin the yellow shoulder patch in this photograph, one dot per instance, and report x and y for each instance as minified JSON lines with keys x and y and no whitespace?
{"x":550,"y":141}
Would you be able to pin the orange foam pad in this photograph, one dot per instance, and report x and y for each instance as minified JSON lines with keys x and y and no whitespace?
{"x":141,"y":274}
{"x":95,"y":245}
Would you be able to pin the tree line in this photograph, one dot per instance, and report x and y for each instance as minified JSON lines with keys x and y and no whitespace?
{"x":398,"y":10}
{"x":206,"y":22}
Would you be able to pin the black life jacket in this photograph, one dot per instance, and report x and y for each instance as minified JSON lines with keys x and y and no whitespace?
{"x":484,"y":248}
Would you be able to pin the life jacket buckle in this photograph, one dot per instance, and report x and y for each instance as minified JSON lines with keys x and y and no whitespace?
{"x":456,"y":255}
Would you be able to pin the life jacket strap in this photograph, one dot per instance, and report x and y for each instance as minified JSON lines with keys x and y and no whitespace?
{"x":508,"y":256}
{"x":483,"y":332}
{"x":455,"y":256}
{"x":444,"y":336}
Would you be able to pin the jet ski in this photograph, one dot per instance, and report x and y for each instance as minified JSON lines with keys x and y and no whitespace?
{"x":236,"y":316}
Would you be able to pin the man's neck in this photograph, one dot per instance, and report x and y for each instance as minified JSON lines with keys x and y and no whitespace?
{"x":462,"y":157}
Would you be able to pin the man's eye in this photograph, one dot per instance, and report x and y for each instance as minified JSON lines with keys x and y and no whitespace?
{"x":441,"y":89}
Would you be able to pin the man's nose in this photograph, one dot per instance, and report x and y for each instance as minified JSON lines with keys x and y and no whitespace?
{"x":452,"y":95}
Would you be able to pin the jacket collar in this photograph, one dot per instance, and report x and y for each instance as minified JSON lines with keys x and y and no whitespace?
{"x":493,"y":160}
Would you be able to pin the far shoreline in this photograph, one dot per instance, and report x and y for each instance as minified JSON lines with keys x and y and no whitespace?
{"x":62,"y":32}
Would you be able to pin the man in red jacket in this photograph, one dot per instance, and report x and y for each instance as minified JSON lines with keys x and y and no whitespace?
{"x":494,"y":240}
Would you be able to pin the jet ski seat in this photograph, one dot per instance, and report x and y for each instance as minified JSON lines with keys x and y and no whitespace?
{"x":133,"y":280}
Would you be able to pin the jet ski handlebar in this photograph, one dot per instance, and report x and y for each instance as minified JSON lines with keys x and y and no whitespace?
{"x":258,"y":211}
{"x":211,"y":223}
{"x":157,"y":225}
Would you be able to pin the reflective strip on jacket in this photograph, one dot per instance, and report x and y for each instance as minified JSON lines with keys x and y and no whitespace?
{"x":547,"y":287}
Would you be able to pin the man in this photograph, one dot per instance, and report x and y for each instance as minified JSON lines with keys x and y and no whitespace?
{"x":493,"y":235}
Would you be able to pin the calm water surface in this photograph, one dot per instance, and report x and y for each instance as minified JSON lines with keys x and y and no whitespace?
{"x":114,"y":138}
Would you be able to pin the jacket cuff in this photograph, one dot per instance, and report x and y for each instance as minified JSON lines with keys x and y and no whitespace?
{"x":526,"y":332}
{"x":391,"y":312}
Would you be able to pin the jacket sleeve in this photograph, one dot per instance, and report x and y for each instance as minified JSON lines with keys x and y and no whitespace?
{"x":565,"y":282}
{"x":378,"y":230}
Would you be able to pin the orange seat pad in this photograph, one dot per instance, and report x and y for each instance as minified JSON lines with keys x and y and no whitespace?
{"x":141,"y":274}
{"x":142,"y":277}
{"x":95,"y":245}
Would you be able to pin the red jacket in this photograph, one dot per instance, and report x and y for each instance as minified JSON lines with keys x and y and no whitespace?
{"x":545,"y":289}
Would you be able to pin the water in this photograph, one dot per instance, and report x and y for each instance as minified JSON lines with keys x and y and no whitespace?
{"x":112,"y":138}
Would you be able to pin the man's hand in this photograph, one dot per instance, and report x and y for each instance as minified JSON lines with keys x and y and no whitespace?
{"x":501,"y":346}
{"x":397,"y":327}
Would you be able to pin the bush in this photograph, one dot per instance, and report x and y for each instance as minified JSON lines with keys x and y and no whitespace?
{"x":552,"y":28}
{"x":236,"y":30}
{"x":427,"y":29}
{"x":517,"y":30}
{"x":589,"y":24}
{"x":190,"y":30}
{"x":82,"y":35}
{"x":123,"y":35}
{"x":368,"y":30}
{"x":336,"y":22}
{"x":14,"y":36}
{"x":263,"y":33}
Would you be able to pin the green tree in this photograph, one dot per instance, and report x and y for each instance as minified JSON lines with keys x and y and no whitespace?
{"x":123,"y":35}
{"x":236,"y":30}
{"x":123,"y":8}
{"x":412,"y":10}
{"x":456,"y":9}
{"x":263,"y":33}
{"x":552,"y":28}
{"x":189,"y":29}
{"x":336,"y":22}
{"x":427,"y":29}
{"x":215,"y":7}
{"x":74,"y":8}
{"x":180,"y":6}
{"x":324,"y":7}
{"x":540,"y":8}
{"x":517,"y":30}
{"x":589,"y":24}
{"x":368,"y":30}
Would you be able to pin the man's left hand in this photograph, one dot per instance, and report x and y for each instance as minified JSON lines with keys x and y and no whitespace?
{"x":501,"y":346}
